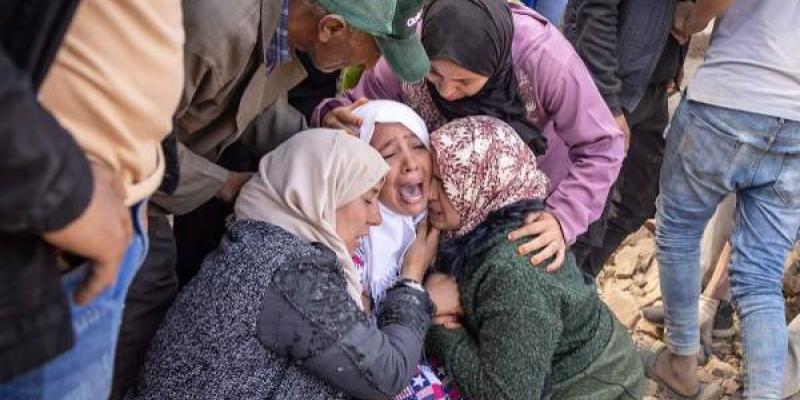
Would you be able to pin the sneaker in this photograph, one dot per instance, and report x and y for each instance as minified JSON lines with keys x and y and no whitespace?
{"x":723,"y":320}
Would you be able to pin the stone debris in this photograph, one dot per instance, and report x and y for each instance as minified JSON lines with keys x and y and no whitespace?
{"x":630,"y":281}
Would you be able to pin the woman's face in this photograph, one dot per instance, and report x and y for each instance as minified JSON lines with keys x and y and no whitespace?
{"x":408,"y":181}
{"x":353,"y":219}
{"x":453,"y":82}
{"x":441,"y":213}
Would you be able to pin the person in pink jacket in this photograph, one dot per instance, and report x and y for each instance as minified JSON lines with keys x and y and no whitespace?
{"x":511,"y":64}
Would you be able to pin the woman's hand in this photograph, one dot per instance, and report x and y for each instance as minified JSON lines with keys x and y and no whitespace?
{"x":448,"y":321}
{"x":344,"y":118}
{"x":421,"y":253}
{"x":548,"y":241}
{"x":443,"y":290}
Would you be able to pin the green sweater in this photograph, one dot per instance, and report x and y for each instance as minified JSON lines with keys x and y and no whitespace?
{"x":521,"y":325}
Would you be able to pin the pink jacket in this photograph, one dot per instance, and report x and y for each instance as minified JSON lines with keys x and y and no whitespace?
{"x":585,"y":146}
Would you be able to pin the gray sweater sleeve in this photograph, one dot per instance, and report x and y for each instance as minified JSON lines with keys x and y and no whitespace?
{"x":308,"y":316}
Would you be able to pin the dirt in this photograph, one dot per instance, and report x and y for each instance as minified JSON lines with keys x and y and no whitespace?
{"x":630,"y":281}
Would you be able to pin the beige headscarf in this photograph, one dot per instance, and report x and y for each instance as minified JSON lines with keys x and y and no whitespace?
{"x":302,"y":183}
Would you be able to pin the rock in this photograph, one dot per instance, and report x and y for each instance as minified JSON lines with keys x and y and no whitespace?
{"x":624,"y":284}
{"x":653,"y":285}
{"x":730,"y":386}
{"x":791,"y":284}
{"x":721,"y":369}
{"x":649,"y":298}
{"x":635,"y":237}
{"x":623,"y":305}
{"x":704,"y":376}
{"x":640,"y":280}
{"x":626,"y":260}
{"x":647,"y":252}
{"x":712,"y":391}
{"x":647,"y":327}
{"x":650,"y":388}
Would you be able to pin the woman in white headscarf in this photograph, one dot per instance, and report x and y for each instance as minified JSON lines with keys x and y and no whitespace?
{"x":275,"y":312}
{"x":400,"y":136}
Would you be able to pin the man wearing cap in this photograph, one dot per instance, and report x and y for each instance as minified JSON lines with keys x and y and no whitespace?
{"x":240,"y":63}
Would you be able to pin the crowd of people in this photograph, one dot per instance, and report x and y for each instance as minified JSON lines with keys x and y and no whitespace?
{"x":197,"y":204}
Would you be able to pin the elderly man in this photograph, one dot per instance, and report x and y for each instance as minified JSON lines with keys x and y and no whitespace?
{"x":240,"y":62}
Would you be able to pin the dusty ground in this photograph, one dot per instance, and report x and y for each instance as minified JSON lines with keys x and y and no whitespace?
{"x":630,"y":281}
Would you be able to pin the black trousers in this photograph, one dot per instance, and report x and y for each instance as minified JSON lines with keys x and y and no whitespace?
{"x":632,"y":200}
{"x":149,"y":297}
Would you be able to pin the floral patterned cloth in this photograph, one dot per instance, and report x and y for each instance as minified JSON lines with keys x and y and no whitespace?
{"x":430,"y":383}
{"x":484,"y":166}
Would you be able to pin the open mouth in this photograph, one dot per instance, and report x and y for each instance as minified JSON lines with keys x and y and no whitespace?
{"x":411,"y":192}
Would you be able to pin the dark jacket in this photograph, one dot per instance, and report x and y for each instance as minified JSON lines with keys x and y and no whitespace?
{"x":269,"y":317}
{"x":46,"y":183}
{"x":523,"y":326}
{"x":622,"y":42}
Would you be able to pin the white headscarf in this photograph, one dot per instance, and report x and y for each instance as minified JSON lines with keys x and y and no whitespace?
{"x":301,"y":184}
{"x":387,"y":243}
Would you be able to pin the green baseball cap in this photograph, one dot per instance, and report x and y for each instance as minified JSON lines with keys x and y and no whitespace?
{"x":393,"y":25}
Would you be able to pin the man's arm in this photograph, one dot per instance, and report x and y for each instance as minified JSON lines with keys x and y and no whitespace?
{"x":45,"y":176}
{"x":50,"y":189}
{"x":694,"y":19}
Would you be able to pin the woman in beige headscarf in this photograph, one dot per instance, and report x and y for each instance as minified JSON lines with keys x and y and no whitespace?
{"x":275,"y":312}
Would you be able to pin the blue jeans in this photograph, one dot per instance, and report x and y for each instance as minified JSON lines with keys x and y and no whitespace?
{"x":85,"y":370}
{"x":712,"y":151}
{"x":550,"y":9}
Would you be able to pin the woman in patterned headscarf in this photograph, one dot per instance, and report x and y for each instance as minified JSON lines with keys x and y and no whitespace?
{"x":504,"y":330}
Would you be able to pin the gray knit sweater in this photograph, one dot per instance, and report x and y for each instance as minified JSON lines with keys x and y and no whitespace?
{"x":269,"y":317}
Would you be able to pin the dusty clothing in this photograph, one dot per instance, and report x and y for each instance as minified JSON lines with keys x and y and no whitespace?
{"x":117,"y":101}
{"x":227,"y":87}
{"x":269,"y":316}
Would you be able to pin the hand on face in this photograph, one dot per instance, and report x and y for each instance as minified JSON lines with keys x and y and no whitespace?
{"x":421,"y":253}
{"x":444,"y":294}
{"x":345,"y":118}
{"x":408,"y":181}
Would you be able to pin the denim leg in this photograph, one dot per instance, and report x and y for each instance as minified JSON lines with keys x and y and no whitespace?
{"x":551,"y":9}
{"x":85,"y":370}
{"x":765,"y":230}
{"x":689,"y":195}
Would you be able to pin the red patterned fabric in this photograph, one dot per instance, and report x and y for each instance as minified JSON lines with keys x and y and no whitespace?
{"x":485,"y":166}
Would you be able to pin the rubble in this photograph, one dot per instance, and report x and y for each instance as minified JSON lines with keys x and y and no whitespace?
{"x":630,"y":281}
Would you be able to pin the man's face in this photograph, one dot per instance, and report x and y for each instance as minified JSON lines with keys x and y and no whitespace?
{"x":338,"y":45}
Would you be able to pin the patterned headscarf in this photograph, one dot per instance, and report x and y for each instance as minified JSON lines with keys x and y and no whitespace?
{"x":485,"y":166}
